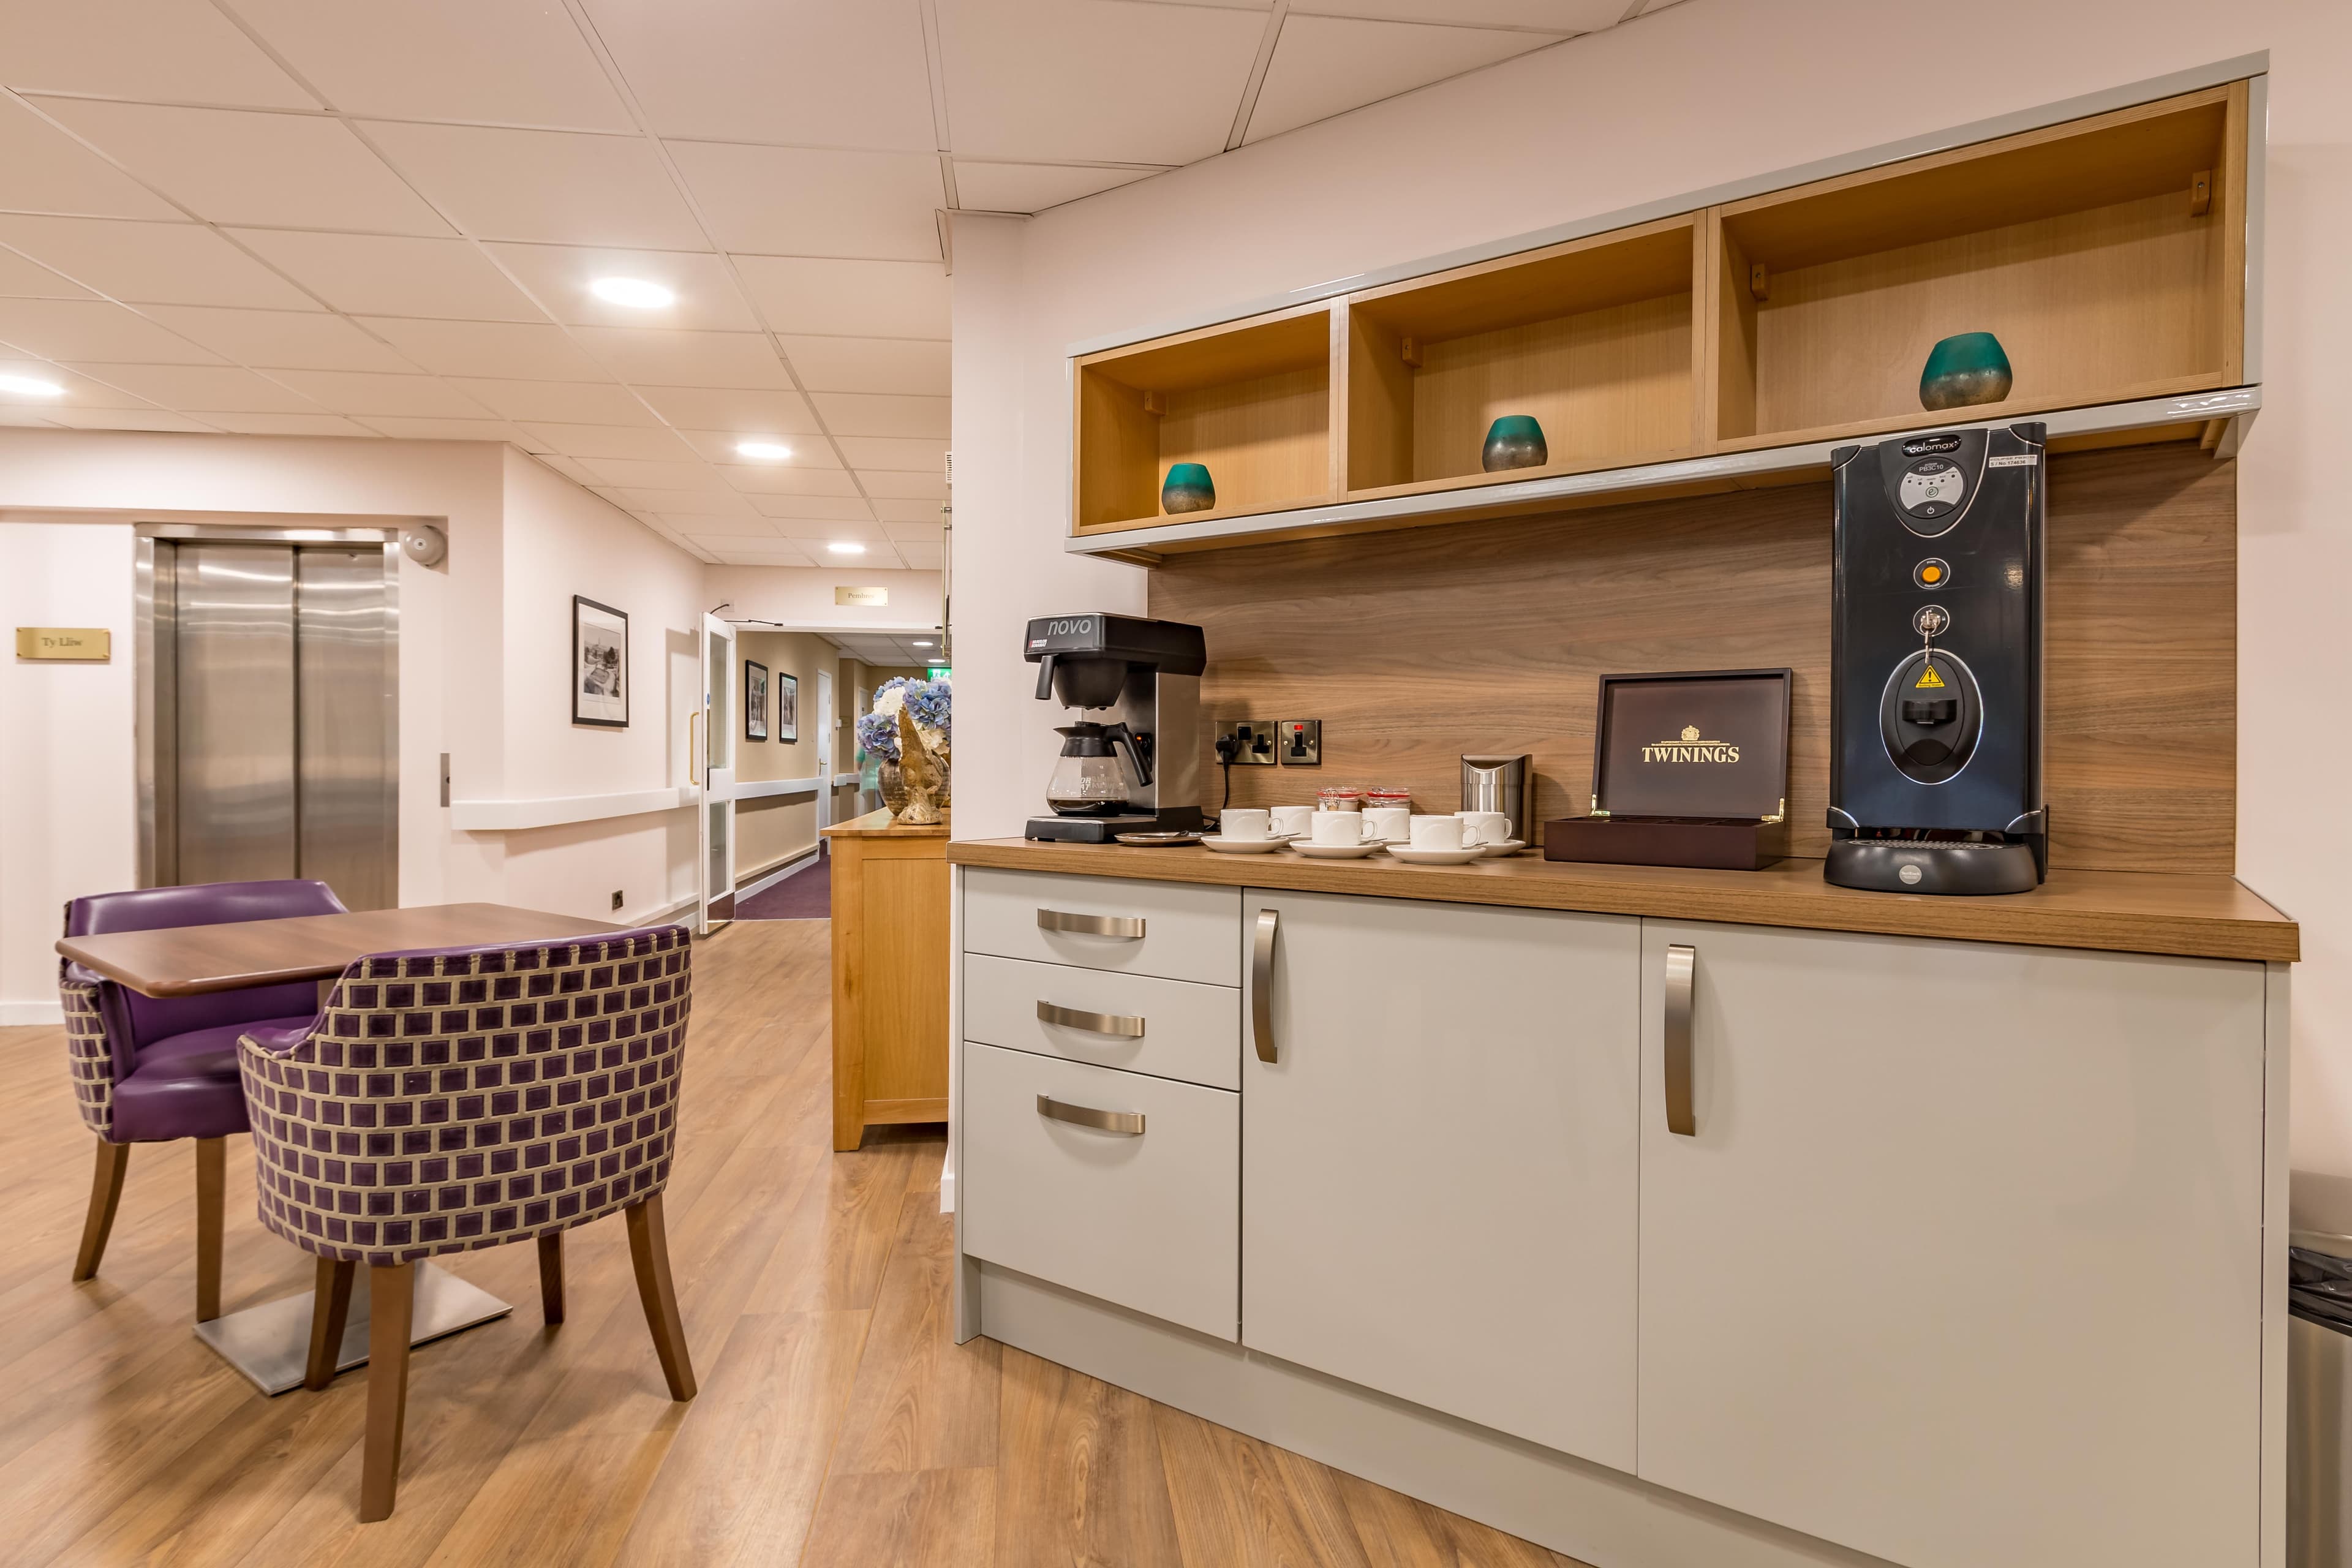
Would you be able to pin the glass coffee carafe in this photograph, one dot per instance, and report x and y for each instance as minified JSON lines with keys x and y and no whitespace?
{"x":1090,"y":778}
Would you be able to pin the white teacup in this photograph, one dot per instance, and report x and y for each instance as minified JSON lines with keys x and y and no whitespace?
{"x":1444,"y":832}
{"x":1292,"y":820}
{"x":1246,"y":822}
{"x":1390,"y":823}
{"x":1492,"y":827}
{"x":1338,"y":827}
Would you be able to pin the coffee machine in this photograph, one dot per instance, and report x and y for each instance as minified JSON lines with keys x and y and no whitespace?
{"x":1935,"y":664}
{"x":1136,"y":769}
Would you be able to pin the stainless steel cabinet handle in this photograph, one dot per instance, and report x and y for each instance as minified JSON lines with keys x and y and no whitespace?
{"x":1127,"y":927}
{"x":1262,"y":985}
{"x":1093,"y":1023}
{"x":1681,"y":963}
{"x":1126,"y":1122}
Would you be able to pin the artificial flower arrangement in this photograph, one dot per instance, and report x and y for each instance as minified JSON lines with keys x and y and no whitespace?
{"x":927,"y":702}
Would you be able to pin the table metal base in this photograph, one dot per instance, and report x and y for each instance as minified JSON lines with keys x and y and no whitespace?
{"x":270,"y":1344}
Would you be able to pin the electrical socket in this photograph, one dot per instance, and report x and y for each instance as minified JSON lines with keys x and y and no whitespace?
{"x":1302,"y":743}
{"x":617,"y":898}
{"x":1254,"y":741}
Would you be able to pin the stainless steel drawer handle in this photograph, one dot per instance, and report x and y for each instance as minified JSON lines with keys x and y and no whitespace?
{"x":1124,"y":1027}
{"x":1127,"y":1122}
{"x":1681,"y":963}
{"x":1129,"y":928}
{"x":1262,"y":985}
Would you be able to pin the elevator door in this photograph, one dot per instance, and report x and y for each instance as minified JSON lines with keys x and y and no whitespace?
{"x":276,"y":690}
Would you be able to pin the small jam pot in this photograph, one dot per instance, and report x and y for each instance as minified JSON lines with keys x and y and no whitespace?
{"x":1344,"y":797}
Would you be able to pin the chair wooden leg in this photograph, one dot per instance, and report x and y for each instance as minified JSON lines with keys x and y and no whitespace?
{"x":551,"y":1278}
{"x":212,"y":1198}
{"x":331,"y":1311}
{"x":105,"y":1197}
{"x":649,"y":1250}
{"x":392,"y":1299}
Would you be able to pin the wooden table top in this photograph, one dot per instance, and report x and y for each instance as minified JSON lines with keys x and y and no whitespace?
{"x":190,"y":961}
{"x":2116,"y":911}
{"x":880,"y":824}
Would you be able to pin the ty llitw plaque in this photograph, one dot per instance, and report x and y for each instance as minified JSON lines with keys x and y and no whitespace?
{"x":70,"y":645}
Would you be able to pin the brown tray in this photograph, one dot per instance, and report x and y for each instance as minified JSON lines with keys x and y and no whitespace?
{"x":1743,"y":845}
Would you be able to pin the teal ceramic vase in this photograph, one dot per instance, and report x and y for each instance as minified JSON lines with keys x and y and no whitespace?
{"x":1963,"y":371}
{"x":1188,"y":489}
{"x":1515,"y":441}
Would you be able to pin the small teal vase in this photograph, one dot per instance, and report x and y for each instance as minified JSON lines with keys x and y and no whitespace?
{"x":1963,"y":371}
{"x":1515,"y":441}
{"x":1188,"y":489}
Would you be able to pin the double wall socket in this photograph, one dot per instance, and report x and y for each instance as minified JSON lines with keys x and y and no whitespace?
{"x":1254,"y":741}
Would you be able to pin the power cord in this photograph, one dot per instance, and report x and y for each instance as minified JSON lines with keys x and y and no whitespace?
{"x":1228,"y":748}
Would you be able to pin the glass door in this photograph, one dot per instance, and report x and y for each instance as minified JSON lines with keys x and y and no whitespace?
{"x":715,"y":760}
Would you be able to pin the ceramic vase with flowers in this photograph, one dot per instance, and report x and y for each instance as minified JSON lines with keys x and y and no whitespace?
{"x":926,"y":707}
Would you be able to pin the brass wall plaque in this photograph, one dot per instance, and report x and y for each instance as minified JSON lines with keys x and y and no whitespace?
{"x":77,"y":645}
{"x":861,"y":595}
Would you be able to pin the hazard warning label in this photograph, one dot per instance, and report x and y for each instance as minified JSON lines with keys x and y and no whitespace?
{"x":1928,"y":680}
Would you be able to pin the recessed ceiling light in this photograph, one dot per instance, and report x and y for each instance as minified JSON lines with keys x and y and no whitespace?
{"x":846,"y":547}
{"x":635,"y":292}
{"x":767,"y":452}
{"x":26,"y":386}
{"x":923,"y":642}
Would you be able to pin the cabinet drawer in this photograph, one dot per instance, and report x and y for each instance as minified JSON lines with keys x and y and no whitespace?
{"x":1169,"y":929}
{"x":1171,"y":1028}
{"x":1149,"y":1220}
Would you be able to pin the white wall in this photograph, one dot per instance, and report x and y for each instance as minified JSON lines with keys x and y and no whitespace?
{"x":1696,"y":95}
{"x":802,"y":597}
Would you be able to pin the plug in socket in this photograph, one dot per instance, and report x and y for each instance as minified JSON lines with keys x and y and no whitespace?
{"x":1254,"y":741}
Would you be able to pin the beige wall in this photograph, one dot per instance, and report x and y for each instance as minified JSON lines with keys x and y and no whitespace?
{"x":776,"y":828}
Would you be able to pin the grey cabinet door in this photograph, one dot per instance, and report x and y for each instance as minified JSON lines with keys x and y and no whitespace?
{"x":1439,"y":1166}
{"x":1961,"y":1263}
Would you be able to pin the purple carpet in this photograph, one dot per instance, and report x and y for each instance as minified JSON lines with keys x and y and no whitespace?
{"x":803,"y":896}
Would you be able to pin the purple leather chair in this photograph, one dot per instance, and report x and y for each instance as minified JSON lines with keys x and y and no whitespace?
{"x":147,"y":1069}
{"x":466,"y":1097}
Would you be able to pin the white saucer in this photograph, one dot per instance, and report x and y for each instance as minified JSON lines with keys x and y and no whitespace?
{"x":1507,"y":846}
{"x":1336,"y":851}
{"x":1224,"y":845}
{"x":1412,"y":857}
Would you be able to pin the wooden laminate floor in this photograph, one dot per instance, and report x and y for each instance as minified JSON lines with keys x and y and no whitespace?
{"x":838,"y":1424}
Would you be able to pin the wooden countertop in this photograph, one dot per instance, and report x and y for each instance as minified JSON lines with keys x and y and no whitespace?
{"x":877,"y":824}
{"x":2116,"y":911}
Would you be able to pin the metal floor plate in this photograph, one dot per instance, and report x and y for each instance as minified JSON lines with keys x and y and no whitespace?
{"x":271,"y":1343}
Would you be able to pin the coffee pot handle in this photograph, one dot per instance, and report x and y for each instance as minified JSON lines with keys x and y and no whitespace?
{"x":1138,"y":749}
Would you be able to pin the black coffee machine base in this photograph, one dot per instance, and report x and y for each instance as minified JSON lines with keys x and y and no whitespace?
{"x":1104,"y":830}
{"x":1904,"y":866}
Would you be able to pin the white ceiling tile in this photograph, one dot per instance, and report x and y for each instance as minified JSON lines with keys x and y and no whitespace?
{"x":645,"y":442}
{"x":1034,"y":187}
{"x":511,"y":64}
{"x":631,"y":473}
{"x":16,"y":415}
{"x":79,"y":391}
{"x":661,"y":358}
{"x":1326,"y":65}
{"x":930,"y":532}
{"x":781,"y":480}
{"x":44,"y":169}
{"x":562,"y":402}
{"x":287,"y":424}
{"x":1058,"y":80}
{"x":358,"y":392}
{"x":762,"y":553}
{"x":733,"y":410}
{"x":886,"y":484}
{"x":515,"y":350}
{"x":236,"y":166}
{"x":23,"y":278}
{"x":853,"y":299}
{"x":178,"y":51}
{"x":819,"y":530}
{"x":704,"y":526}
{"x":391,"y":276}
{"x":552,"y":185}
{"x":805,"y":200}
{"x":868,"y":414}
{"x":811,"y":73}
{"x":680,"y":503}
{"x":923,"y":511}
{"x":903,"y":454}
{"x":559,"y":277}
{"x":1548,"y":16}
{"x":128,"y":420}
{"x":412,"y":427}
{"x":870,"y":364}
{"x":96,"y":330}
{"x":158,"y":263}
{"x":921,"y":558}
{"x":276,"y":340}
{"x":719,"y":446}
{"x":194,"y":388}
{"x":816,"y":508}
{"x":566,"y":467}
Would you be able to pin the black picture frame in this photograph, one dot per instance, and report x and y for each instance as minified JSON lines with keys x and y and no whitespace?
{"x":788,"y":708}
{"x":599,"y":696}
{"x":755,"y":700}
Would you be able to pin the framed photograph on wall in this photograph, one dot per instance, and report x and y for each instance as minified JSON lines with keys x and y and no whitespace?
{"x":600,"y":664}
{"x":788,"y":708}
{"x":755,"y":700}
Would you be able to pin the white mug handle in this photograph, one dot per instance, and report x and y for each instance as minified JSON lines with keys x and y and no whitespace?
{"x":1473,"y":838}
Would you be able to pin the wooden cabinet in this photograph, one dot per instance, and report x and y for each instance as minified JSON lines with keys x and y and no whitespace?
{"x":1439,"y":1165}
{"x":890,"y":968}
{"x":1962,"y":1265}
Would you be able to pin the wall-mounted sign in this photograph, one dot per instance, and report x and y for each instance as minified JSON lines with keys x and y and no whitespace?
{"x":861,"y":595}
{"x":77,"y":645}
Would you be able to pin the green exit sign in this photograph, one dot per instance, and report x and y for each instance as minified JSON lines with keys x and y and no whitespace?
{"x":938,"y":672}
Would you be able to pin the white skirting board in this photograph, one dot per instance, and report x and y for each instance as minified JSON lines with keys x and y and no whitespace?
{"x":767,"y":880}
{"x":1596,"y":1515}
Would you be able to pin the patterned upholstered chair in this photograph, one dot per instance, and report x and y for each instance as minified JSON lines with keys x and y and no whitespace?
{"x":147,"y":1069}
{"x":467,"y":1098}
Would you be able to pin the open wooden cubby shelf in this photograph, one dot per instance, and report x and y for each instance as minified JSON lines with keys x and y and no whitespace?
{"x":2108,"y":255}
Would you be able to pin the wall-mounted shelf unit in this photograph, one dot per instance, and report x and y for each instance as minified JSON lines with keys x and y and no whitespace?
{"x":1729,"y":346}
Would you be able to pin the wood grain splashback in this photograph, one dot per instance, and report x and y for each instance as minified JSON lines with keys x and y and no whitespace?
{"x":1414,"y":647}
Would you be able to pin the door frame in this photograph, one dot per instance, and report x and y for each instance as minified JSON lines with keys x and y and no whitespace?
{"x":714,"y":906}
